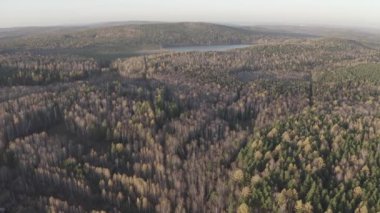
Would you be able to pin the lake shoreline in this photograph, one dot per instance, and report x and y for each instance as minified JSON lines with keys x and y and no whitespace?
{"x":202,"y":48}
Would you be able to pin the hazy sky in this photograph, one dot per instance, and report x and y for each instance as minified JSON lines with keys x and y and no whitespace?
{"x":364,"y":13}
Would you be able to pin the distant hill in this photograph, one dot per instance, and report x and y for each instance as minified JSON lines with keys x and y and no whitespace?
{"x":24,"y":32}
{"x":132,"y":36}
{"x":137,"y":35}
{"x":371,"y":37}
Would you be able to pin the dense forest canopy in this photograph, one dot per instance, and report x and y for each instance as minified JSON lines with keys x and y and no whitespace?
{"x":289,"y":124}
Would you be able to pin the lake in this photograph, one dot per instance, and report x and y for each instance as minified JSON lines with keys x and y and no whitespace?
{"x":218,"y":48}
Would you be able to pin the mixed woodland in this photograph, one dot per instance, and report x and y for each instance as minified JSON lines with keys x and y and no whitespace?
{"x":291,"y":125}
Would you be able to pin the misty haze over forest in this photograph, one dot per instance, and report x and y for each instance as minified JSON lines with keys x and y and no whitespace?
{"x":348,"y":13}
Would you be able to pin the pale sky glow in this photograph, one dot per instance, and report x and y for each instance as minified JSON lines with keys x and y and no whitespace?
{"x":360,"y":13}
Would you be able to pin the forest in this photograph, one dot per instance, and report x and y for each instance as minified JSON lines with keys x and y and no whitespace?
{"x":288,"y":124}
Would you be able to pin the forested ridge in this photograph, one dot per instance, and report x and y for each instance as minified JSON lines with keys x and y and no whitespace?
{"x":290,"y":126}
{"x":141,"y":35}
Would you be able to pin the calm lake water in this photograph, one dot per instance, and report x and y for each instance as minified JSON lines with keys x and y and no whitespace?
{"x":219,"y":48}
